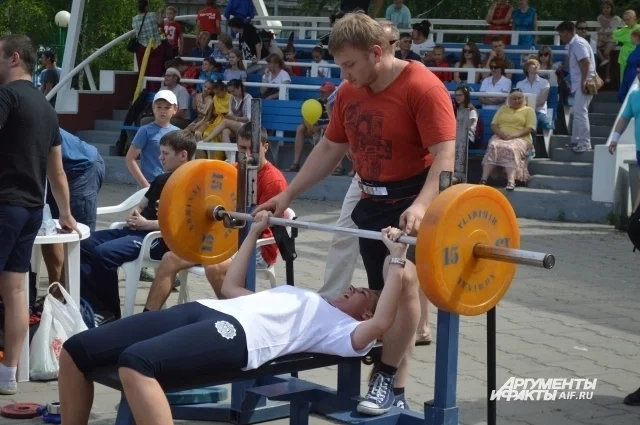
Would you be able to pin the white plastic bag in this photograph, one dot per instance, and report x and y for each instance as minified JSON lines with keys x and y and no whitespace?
{"x":48,"y":226}
{"x":58,"y":322}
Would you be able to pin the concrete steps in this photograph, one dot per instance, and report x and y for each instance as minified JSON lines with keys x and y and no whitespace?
{"x":119,"y":114}
{"x":605,"y":107}
{"x":602,"y":119}
{"x":567,"y":155}
{"x":104,"y":141}
{"x":548,"y":167}
{"x":560,"y":141}
{"x":108,"y":125}
{"x":555,"y":182}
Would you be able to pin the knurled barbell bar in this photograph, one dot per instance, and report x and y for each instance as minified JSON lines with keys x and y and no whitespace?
{"x":467,"y":248}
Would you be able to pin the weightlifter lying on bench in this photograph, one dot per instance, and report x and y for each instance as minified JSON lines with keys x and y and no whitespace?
{"x":242,"y":332}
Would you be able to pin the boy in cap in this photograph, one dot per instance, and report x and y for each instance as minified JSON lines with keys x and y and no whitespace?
{"x":146,"y":143}
{"x":313,"y":132}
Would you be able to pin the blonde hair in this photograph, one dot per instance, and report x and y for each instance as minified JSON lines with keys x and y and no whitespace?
{"x":391,"y":30}
{"x":360,"y":32}
{"x":528,"y":63}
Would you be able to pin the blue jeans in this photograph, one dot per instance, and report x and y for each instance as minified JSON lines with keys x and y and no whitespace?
{"x":100,"y":255}
{"x":83,"y":195}
{"x":542,"y":118}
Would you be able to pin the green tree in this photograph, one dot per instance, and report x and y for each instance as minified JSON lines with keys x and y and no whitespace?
{"x":104,"y":21}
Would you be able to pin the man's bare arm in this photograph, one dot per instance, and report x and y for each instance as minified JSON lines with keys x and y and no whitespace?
{"x":387,"y":308}
{"x":58,"y":180}
{"x":233,"y":284}
{"x":444,"y":158}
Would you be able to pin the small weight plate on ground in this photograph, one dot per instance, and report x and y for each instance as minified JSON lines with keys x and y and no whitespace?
{"x":452,"y":278}
{"x":184,"y":211}
{"x":20,"y":411}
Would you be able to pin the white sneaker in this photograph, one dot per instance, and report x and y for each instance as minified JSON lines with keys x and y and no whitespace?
{"x":8,"y":387}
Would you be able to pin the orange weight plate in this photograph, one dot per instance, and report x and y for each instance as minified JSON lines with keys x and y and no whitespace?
{"x":452,"y":278}
{"x":184,"y":206}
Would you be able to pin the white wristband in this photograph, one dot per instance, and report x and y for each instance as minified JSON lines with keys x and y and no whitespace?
{"x":615,"y":137}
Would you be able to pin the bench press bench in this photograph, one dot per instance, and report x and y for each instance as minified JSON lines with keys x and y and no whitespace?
{"x":270,"y":392}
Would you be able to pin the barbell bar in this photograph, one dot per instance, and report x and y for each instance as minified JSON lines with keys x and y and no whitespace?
{"x":467,"y":247}
{"x":515,"y":256}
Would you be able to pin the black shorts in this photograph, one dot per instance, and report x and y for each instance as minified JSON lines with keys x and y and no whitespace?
{"x":19,"y":227}
{"x":187,"y":343}
{"x":369,"y":214}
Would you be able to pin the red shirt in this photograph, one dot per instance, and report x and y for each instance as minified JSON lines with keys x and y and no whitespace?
{"x":173,"y":31}
{"x":191,"y":73}
{"x":208,"y":19}
{"x":270,"y":183}
{"x":444,"y":76}
{"x":390,"y":132}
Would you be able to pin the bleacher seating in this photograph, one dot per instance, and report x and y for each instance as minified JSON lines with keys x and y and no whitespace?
{"x":281,"y":117}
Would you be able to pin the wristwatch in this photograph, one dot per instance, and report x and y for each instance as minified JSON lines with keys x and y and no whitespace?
{"x":398,"y":261}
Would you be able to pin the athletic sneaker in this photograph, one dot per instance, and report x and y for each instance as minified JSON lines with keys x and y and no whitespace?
{"x":379,"y":399}
{"x":8,"y":387}
{"x":581,"y":148}
{"x":103,"y":317}
{"x":400,"y":402}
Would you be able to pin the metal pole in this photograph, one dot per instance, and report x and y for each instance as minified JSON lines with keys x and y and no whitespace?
{"x":256,"y":128}
{"x":491,"y":366}
{"x":517,"y":256}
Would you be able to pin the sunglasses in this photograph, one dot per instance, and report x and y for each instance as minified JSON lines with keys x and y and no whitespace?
{"x":466,"y":51}
{"x":493,"y":68}
{"x":582,"y":28}
{"x":544,"y":55}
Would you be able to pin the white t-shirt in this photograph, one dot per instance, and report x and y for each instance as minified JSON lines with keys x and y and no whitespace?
{"x":282,"y":78}
{"x":324,"y":70}
{"x":502,"y":86}
{"x":578,"y":49}
{"x":536,"y":88}
{"x":182,"y":95}
{"x":288,"y":320}
{"x":422,"y":48}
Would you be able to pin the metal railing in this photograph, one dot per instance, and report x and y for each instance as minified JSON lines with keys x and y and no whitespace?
{"x":84,"y":65}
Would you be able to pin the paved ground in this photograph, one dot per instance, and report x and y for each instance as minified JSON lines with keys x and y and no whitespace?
{"x":578,"y":320}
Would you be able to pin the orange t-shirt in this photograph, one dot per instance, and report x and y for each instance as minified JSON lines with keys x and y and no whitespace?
{"x":390,"y":132}
{"x":270,"y":183}
{"x":208,"y":18}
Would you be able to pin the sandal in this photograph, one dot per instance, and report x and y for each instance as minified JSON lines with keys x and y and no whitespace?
{"x":423,"y":339}
{"x":294,"y":168}
{"x":511,"y":187}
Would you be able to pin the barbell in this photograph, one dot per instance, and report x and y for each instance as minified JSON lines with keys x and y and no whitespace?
{"x":467,"y":248}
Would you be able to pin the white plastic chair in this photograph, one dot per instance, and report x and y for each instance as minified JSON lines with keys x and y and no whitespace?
{"x":268,"y":273}
{"x":125,"y":206}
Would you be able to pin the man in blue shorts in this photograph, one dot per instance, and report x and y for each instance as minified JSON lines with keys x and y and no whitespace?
{"x":30,"y":153}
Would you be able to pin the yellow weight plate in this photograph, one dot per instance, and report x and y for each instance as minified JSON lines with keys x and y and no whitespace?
{"x":459,"y":218}
{"x":184,"y":206}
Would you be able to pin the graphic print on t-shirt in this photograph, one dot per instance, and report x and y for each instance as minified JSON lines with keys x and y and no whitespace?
{"x":226,"y":329}
{"x":371,"y":147}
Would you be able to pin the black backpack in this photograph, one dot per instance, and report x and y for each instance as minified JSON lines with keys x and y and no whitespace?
{"x":633,"y":229}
